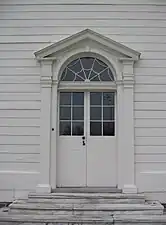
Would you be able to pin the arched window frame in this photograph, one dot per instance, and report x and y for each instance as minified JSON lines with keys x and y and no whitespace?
{"x":87,"y":69}
{"x":65,"y":59}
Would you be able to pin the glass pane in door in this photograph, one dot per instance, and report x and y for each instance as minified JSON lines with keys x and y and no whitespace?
{"x":102,"y":113}
{"x":71,"y":113}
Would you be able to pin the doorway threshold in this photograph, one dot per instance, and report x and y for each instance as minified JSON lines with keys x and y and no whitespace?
{"x":86,"y":190}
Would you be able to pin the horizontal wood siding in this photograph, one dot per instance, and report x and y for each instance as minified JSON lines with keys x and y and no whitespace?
{"x":29,"y":25}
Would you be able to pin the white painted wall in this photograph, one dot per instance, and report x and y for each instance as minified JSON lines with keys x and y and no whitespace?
{"x":28,"y":25}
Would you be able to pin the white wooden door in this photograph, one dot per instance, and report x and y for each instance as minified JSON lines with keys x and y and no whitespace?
{"x":101,"y":140}
{"x":86,"y":154}
{"x":71,"y":151}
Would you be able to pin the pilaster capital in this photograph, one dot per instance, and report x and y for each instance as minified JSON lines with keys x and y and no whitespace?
{"x":119,"y":82}
{"x":46,"y":73}
{"x":128,"y":80}
{"x":128,"y":73}
{"x":46,"y":81}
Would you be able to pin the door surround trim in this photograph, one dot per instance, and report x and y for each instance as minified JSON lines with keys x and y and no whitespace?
{"x":52,"y":59}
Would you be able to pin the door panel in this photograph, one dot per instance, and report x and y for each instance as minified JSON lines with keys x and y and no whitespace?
{"x":71,"y":153}
{"x":101,"y":141}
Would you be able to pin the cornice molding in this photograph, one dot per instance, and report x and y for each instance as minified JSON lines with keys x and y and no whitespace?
{"x":125,"y":52}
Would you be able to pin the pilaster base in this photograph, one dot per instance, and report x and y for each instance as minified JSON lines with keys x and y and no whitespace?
{"x":43,"y":188}
{"x":129,"y":189}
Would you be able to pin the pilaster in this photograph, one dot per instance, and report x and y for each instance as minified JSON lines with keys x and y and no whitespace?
{"x":45,"y":126}
{"x":128,"y":130}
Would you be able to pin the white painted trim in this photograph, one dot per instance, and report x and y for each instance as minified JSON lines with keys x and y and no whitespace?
{"x":128,"y":134}
{"x":45,"y":127}
{"x":129,"y":189}
{"x":43,"y":188}
{"x":124,"y":83}
{"x":54,"y":123}
{"x":88,"y":34}
{"x":88,"y":86}
{"x":18,"y":172}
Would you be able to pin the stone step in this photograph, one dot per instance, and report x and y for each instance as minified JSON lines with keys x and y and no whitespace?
{"x":101,"y":198}
{"x":68,"y":220}
{"x":87,"y":190}
{"x":139,"y":219}
{"x":86,"y":201}
{"x":85,"y":195}
{"x":153,"y":208}
{"x":61,"y":219}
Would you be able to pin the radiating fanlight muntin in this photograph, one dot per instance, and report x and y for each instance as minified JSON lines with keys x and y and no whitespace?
{"x":87,"y":69}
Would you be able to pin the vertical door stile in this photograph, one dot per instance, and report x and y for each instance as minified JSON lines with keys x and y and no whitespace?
{"x":86,"y":121}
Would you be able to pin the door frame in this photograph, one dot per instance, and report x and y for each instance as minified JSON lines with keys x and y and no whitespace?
{"x":86,"y":128}
{"x":124,"y":86}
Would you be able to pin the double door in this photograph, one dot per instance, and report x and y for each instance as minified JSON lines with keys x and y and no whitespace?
{"x":86,"y":149}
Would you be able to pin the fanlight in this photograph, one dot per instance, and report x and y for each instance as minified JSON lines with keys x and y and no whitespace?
{"x":87,"y":69}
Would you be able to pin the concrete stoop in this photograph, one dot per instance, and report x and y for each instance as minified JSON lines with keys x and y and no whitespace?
{"x":83,"y":208}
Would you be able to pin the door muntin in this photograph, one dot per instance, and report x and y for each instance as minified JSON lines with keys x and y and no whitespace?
{"x":71,"y":114}
{"x":102,"y":113}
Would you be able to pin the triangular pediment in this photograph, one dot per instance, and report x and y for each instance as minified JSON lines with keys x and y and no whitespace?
{"x":87,"y":36}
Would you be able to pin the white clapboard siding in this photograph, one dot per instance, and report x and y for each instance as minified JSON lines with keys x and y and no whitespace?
{"x":54,"y":38}
{"x":150,"y":114}
{"x":153,"y":55}
{"x":148,"y":167}
{"x":150,"y":123}
{"x":19,"y":96}
{"x":19,"y":122}
{"x":150,"y":106}
{"x":24,"y":113}
{"x":81,"y":8}
{"x":83,"y":23}
{"x":20,"y":131}
{"x":17,"y":54}
{"x":20,"y":79}
{"x":149,"y":88}
{"x":18,"y":181}
{"x":21,"y":46}
{"x":29,"y":54}
{"x":66,"y":2}
{"x":19,"y":140}
{"x":150,"y":97}
{"x":19,"y":149}
{"x":148,"y":79}
{"x":142,"y":47}
{"x":17,"y":62}
{"x":150,"y":158}
{"x":150,"y":149}
{"x":151,"y":63}
{"x":146,"y":141}
{"x":19,"y":88}
{"x":20,"y":105}
{"x":19,"y":71}
{"x":150,"y":180}
{"x":31,"y":158}
{"x":9,"y":195}
{"x":19,"y":166}
{"x":111,"y":30}
{"x":149,"y":72}
{"x":82,"y":15}
{"x":150,"y":132}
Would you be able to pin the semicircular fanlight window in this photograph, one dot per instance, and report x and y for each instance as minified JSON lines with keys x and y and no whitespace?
{"x":87,"y":69}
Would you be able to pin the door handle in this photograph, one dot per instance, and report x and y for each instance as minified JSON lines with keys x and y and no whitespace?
{"x":83,"y":140}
